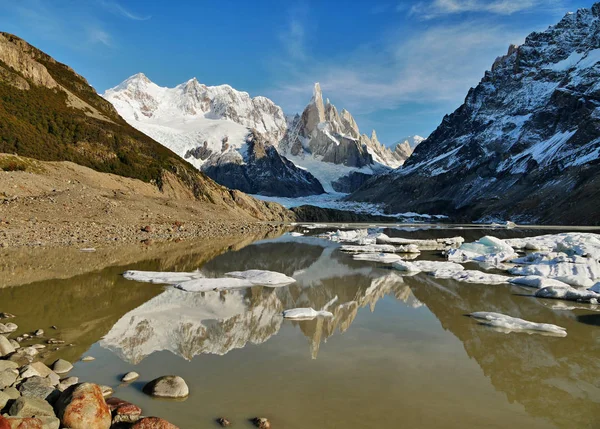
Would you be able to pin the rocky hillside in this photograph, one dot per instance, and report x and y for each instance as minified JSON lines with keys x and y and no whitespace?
{"x":524,"y":145}
{"x":49,"y":112}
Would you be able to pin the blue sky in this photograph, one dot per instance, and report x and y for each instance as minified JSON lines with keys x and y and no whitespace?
{"x":398,"y":66}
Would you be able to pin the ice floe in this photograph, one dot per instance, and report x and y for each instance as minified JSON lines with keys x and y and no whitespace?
{"x":296,"y":234}
{"x":488,"y":249}
{"x":213,"y":284}
{"x":369,"y":248}
{"x":386,"y":258}
{"x":305,"y":314}
{"x":427,"y":266}
{"x":537,"y":282}
{"x":572,"y":243}
{"x":568,"y":293}
{"x":509,"y":323}
{"x":471,"y":276}
{"x":262,"y":277}
{"x":162,"y":277}
{"x":575,"y":271}
{"x":433,"y":244}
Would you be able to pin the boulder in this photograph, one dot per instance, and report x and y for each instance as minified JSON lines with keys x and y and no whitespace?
{"x":153,"y":423}
{"x":4,"y":398}
{"x":6,"y":347}
{"x":169,"y":386}
{"x":38,"y":387}
{"x":12,"y":392}
{"x":82,"y":406}
{"x":123,"y":411}
{"x":65,"y":383}
{"x":31,"y":407}
{"x":6,"y":364}
{"x":261,"y":423}
{"x":20,"y":423}
{"x":62,"y":366}
{"x":8,"y":377}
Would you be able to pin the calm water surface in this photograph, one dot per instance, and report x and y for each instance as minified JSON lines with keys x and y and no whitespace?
{"x":399,"y":352}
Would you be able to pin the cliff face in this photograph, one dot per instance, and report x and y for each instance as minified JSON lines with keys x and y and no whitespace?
{"x":49,"y":112}
{"x":525,"y":143}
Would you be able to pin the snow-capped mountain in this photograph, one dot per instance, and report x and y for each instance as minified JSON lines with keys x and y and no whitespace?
{"x":411,"y":141}
{"x":329,"y":145}
{"x":524,"y":145}
{"x":244,"y":143}
{"x":217,"y":129}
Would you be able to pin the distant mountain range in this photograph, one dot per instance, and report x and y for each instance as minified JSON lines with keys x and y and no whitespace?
{"x":249,"y":144}
{"x":524,"y":146}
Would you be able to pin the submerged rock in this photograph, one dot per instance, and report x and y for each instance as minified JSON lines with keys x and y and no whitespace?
{"x":261,"y":423}
{"x":130,"y":376}
{"x":169,"y":386}
{"x":123,"y":411}
{"x":223,"y":422}
{"x":153,"y":423}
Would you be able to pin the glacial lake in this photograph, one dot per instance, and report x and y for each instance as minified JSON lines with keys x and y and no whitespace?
{"x":399,"y":352}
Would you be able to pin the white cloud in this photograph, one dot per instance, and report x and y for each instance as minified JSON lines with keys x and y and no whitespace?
{"x":437,"y":65}
{"x":435,"y":8}
{"x":97,"y":35}
{"x":118,"y":9}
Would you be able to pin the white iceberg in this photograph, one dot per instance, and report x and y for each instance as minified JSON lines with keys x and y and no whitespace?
{"x":569,"y":293}
{"x":471,"y":276}
{"x":158,"y":277}
{"x":305,"y":314}
{"x":262,"y":277}
{"x":576,"y":271}
{"x":515,"y":324}
{"x":296,"y":234}
{"x":433,"y":244}
{"x":427,"y":266}
{"x":537,"y":282}
{"x":488,"y":250}
{"x":576,"y":243}
{"x":385,"y":258}
{"x":213,"y":284}
{"x":369,"y":248}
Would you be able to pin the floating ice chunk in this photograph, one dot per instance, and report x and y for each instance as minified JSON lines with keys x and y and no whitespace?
{"x":369,"y":248}
{"x":515,"y":324}
{"x":577,"y":243}
{"x":595,"y":288}
{"x":427,"y":266}
{"x":305,"y":314}
{"x":410,"y":248}
{"x":262,"y":277}
{"x":435,"y":244}
{"x":569,"y":294}
{"x":471,"y":276}
{"x":296,"y":234}
{"x":575,"y":274}
{"x":314,"y":226}
{"x":460,"y":255}
{"x":161,"y":277}
{"x":213,"y":284}
{"x":386,"y":258}
{"x":87,"y":249}
{"x":489,"y":250}
{"x":537,"y":282}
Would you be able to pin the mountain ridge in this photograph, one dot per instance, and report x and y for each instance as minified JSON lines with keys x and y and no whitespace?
{"x":524,"y":145}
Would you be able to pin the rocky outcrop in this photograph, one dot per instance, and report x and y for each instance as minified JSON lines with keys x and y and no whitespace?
{"x":524,"y":145}
{"x":351,"y":182}
{"x":261,"y":171}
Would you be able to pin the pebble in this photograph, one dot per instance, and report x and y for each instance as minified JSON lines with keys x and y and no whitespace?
{"x":39,"y":333}
{"x":88,"y":359}
{"x":130,"y":376}
{"x":261,"y":423}
{"x":106,"y":391}
{"x":223,"y":422}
